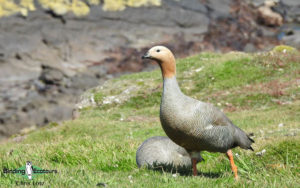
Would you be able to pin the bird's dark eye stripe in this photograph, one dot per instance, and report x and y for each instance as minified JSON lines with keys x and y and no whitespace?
{"x":158,"y":50}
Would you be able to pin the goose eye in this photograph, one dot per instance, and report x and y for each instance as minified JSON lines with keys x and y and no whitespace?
{"x":157,"y":50}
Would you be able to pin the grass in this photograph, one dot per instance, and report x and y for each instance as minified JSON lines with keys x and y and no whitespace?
{"x":257,"y":91}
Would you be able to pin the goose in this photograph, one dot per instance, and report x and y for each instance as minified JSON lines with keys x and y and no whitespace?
{"x":192,"y":124}
{"x":161,"y":152}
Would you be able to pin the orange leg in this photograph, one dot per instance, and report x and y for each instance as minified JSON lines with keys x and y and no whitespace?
{"x":233,"y":167}
{"x":194,"y":163}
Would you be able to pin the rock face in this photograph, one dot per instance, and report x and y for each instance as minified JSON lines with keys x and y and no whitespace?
{"x":159,"y":152}
{"x":268,"y":16}
{"x":48,"y":58}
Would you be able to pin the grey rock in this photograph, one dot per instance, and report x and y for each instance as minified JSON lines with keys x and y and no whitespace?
{"x":51,"y":75}
{"x":267,"y":32}
{"x":191,"y":5}
{"x":219,"y":8}
{"x":249,"y":48}
{"x":257,"y":3}
{"x":99,"y":71}
{"x":84,"y":81}
{"x":293,"y":39}
{"x":187,"y":19}
{"x":291,"y":10}
{"x":291,"y":3}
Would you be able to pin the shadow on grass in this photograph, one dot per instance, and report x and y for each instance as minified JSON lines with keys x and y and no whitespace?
{"x":181,"y":170}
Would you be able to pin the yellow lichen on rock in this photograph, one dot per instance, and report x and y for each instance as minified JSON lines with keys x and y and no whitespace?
{"x":116,"y":5}
{"x":61,"y":7}
{"x":138,"y":3}
{"x":119,"y":5}
{"x":44,"y":4}
{"x":28,"y":4}
{"x":93,"y":2}
{"x":79,"y":8}
{"x":8,"y":7}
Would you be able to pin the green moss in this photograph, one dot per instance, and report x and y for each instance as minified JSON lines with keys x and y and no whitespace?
{"x":284,"y":49}
{"x":98,"y":97}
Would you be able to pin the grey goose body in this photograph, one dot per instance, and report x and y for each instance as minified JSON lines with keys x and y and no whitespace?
{"x":195,"y":125}
{"x":161,"y":152}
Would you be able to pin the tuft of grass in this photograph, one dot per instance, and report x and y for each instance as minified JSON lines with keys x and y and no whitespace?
{"x":98,"y":97}
{"x":143,"y":100}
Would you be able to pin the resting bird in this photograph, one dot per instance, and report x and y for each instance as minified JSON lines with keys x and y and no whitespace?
{"x":193,"y":124}
{"x":160,"y":152}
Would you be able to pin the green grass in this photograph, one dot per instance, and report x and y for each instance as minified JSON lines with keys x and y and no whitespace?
{"x":256,"y":91}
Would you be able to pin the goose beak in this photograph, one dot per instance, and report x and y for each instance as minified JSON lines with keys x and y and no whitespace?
{"x":146,"y":56}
